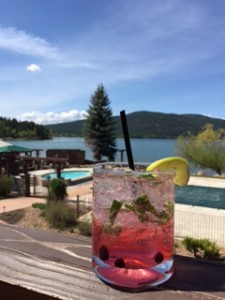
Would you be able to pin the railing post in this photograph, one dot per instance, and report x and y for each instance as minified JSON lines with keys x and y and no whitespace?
{"x":78,"y":206}
{"x":27,"y":185}
{"x":34,"y":191}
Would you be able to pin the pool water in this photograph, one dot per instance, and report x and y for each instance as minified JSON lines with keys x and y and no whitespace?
{"x":201,"y":196}
{"x":73,"y":175}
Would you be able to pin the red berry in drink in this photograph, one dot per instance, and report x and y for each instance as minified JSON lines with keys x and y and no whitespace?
{"x":159,"y":257}
{"x":104,"y":253}
{"x":120,"y":263}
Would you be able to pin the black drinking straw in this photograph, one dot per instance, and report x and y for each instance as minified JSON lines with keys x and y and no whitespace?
{"x":127,"y":139}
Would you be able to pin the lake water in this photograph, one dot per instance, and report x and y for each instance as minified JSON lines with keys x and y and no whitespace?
{"x":144,"y":150}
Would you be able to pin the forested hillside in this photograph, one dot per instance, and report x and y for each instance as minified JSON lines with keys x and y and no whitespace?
{"x":11,"y":128}
{"x":74,"y":128}
{"x":146,"y":124}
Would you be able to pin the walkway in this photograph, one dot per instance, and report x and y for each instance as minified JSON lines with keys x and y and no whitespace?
{"x":11,"y":204}
{"x":18,"y":203}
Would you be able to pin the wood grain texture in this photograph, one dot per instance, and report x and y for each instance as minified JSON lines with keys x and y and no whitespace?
{"x":58,"y":265}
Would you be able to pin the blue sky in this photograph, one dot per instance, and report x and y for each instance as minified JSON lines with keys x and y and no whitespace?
{"x":156,"y":55}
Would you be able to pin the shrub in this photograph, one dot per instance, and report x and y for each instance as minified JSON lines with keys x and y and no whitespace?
{"x":5,"y":185}
{"x":41,"y":206}
{"x":57,"y":190}
{"x":85,"y":228}
{"x":175,"y":247}
{"x":202,"y":248}
{"x":60,"y":215}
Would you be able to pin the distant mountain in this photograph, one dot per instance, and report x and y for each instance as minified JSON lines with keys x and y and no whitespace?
{"x":74,"y":128}
{"x":145,"y":124}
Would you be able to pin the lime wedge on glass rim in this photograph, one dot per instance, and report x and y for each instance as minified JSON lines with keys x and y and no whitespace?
{"x":179,"y":164}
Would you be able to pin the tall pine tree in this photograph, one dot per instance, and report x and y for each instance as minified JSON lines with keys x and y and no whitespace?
{"x":99,"y":126}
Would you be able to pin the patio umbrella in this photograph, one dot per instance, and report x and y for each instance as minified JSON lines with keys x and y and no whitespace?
{"x":6,"y":147}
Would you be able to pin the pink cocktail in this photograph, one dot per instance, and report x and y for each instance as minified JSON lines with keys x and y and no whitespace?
{"x":132,"y":226}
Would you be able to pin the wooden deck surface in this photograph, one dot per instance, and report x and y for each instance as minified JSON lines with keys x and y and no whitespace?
{"x":59,"y":265}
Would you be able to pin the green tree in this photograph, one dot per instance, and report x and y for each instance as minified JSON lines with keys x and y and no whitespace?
{"x":99,"y":126}
{"x":30,"y":130}
{"x":206,"y":149}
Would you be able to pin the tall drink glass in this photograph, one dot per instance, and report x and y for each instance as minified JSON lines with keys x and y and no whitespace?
{"x":132,"y":225}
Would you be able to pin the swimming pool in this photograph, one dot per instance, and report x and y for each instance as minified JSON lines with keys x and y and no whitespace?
{"x":201,"y":196}
{"x":72,"y":175}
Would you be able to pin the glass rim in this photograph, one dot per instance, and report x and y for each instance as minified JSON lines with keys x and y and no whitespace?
{"x":122,"y":168}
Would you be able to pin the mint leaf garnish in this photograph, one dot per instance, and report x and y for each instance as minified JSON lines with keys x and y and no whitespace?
{"x":112,"y":229}
{"x":169,"y":206}
{"x":141,"y":206}
{"x":141,"y":200}
{"x":148,"y":176}
{"x":114,"y":209}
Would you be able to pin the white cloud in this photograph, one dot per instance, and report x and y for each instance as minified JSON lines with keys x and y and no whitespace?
{"x":142,"y":41}
{"x":137,"y":42}
{"x":33,"y":68}
{"x":51,"y":117}
{"x":21,"y":42}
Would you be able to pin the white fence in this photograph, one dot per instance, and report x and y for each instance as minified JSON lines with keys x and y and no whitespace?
{"x":200,"y":222}
{"x":192,"y":221}
{"x":82,"y":204}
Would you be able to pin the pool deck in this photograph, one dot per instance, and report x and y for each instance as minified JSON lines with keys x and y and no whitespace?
{"x":193,"y":180}
{"x":47,"y":171}
{"x":86,"y":188}
{"x":207,"y":181}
